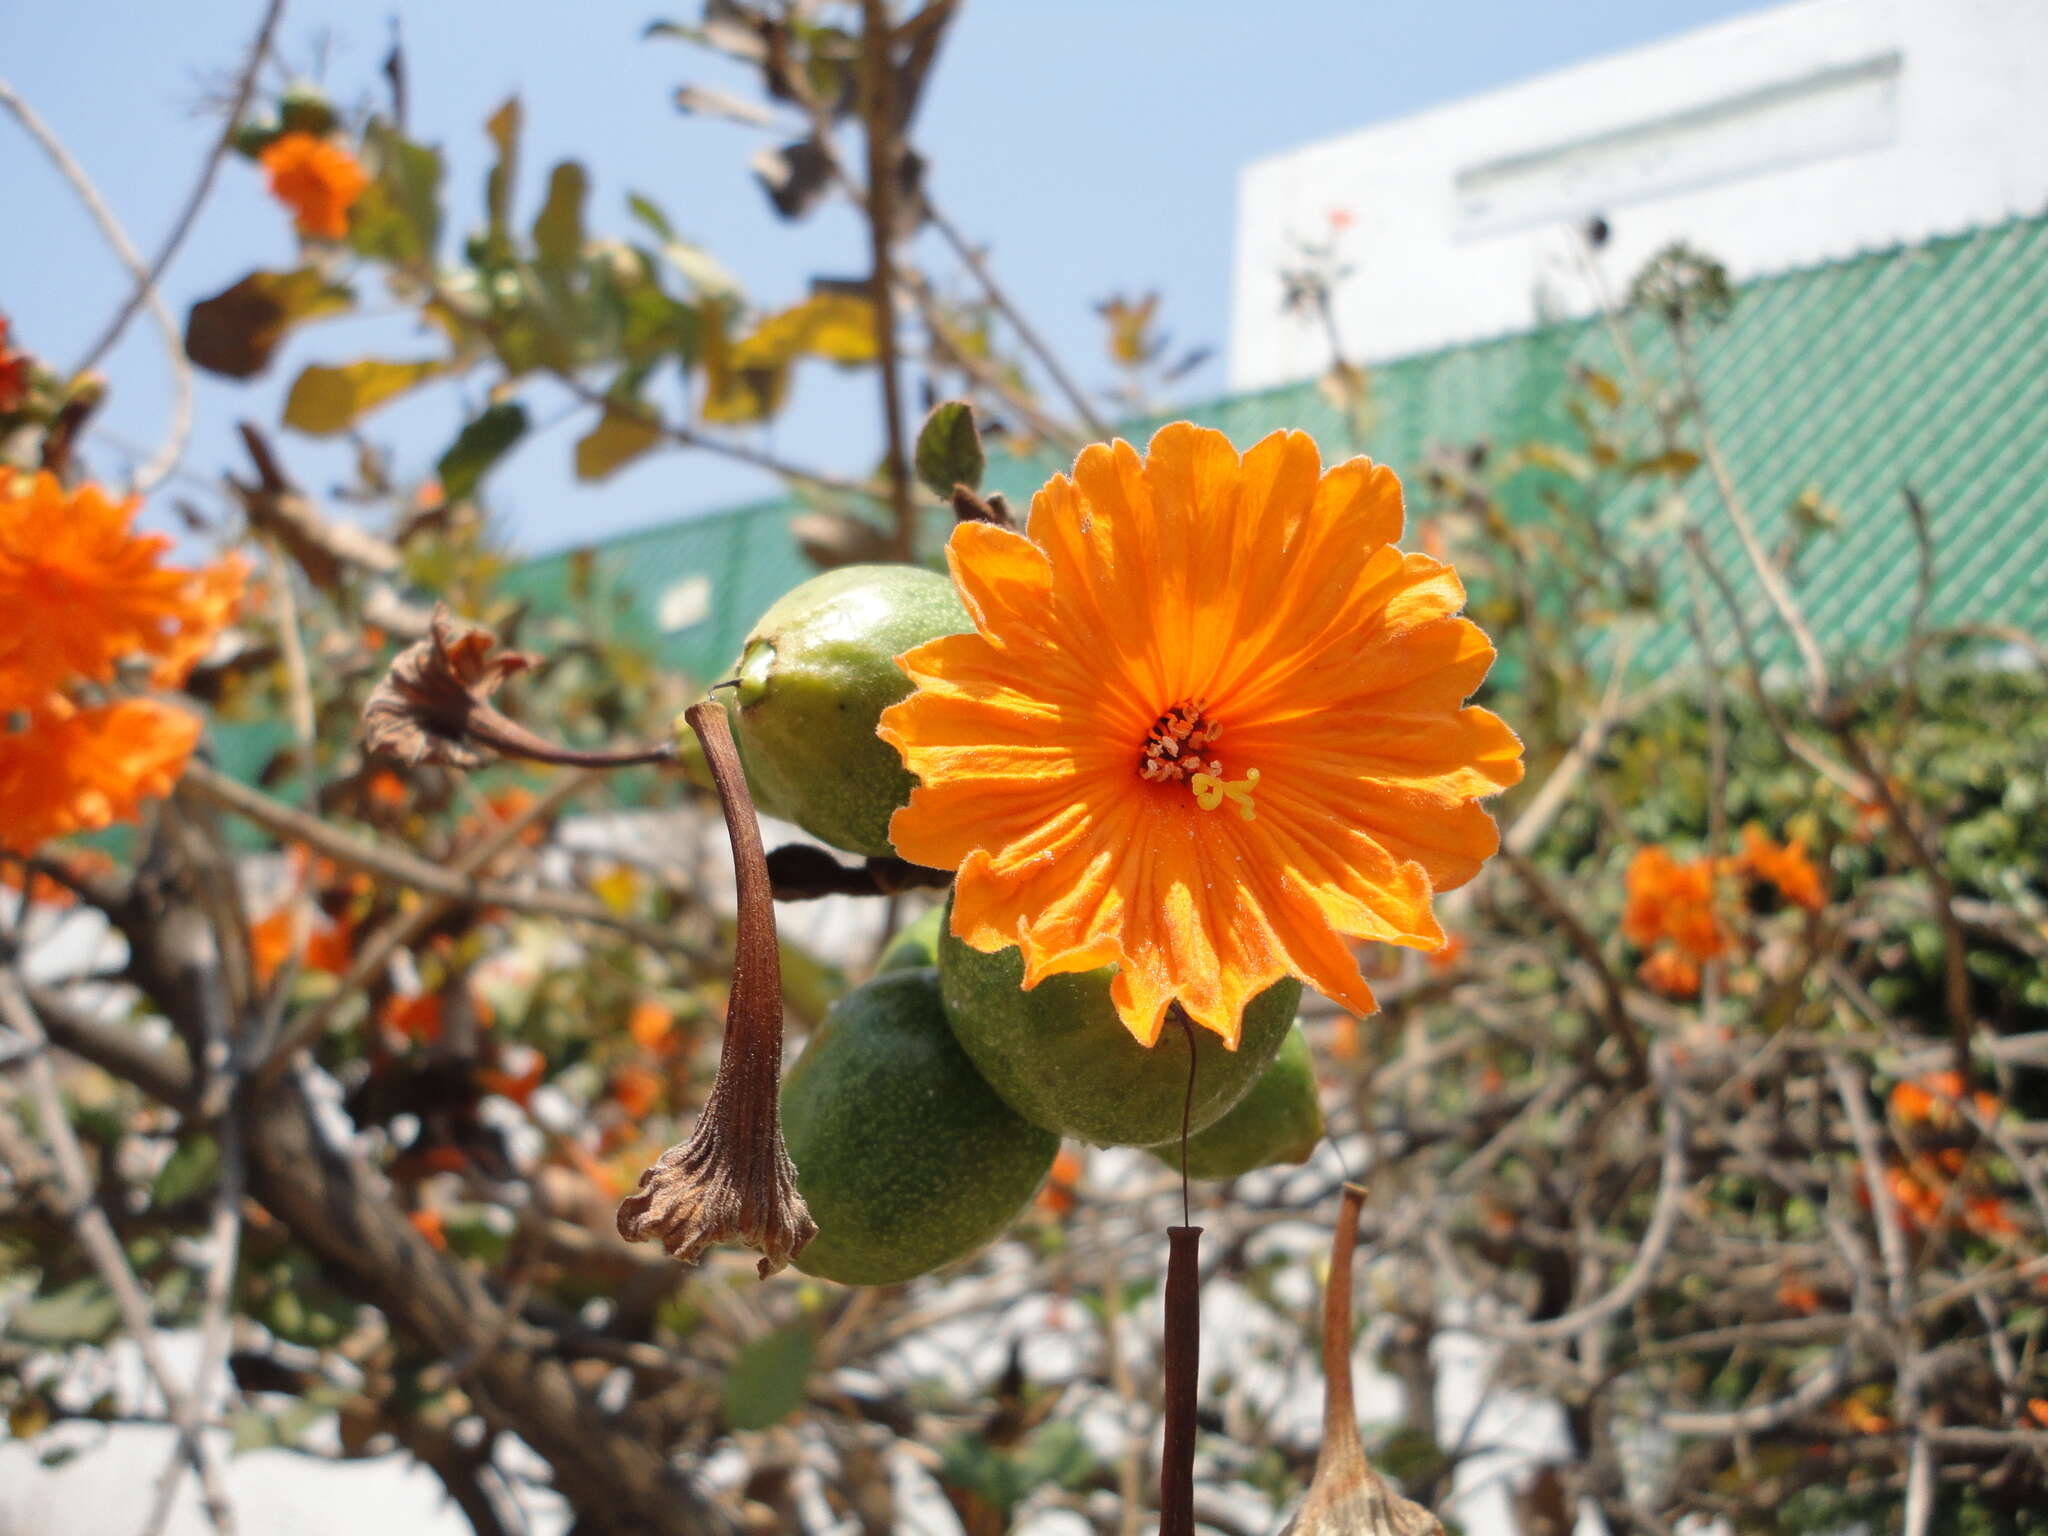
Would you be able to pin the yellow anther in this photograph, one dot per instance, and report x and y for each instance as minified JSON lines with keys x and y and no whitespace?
{"x":1211,"y":792}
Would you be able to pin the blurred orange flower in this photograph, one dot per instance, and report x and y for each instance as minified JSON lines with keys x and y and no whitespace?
{"x":1448,"y":958}
{"x":82,"y":590}
{"x":652,"y":1026}
{"x":430,"y":1226}
{"x":415,"y":1016}
{"x":1666,"y":970}
{"x":1784,"y":865}
{"x":317,"y":179}
{"x":1210,"y":726}
{"x":1056,"y":1197}
{"x":637,"y":1090}
{"x":1933,"y":1099}
{"x":1670,"y":900}
{"x":65,"y":770}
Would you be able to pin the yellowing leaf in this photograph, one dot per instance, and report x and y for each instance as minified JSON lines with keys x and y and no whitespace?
{"x":1675,"y":462}
{"x":837,"y":326}
{"x":617,"y":438}
{"x":326,"y":400}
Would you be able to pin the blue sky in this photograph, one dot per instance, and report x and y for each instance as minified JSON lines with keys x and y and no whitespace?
{"x":1093,"y":145}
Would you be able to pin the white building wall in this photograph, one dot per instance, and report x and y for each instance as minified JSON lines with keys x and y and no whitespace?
{"x":1790,"y":137}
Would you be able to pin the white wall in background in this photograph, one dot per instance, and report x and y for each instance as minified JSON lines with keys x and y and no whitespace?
{"x":1793,"y":136}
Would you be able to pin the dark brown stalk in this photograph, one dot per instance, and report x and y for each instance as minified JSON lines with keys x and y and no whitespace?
{"x":1183,"y":1364}
{"x":885,"y":160}
{"x":733,"y":1180}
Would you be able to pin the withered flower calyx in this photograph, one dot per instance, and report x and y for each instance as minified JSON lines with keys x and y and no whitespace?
{"x":434,"y":706}
{"x":733,"y":1179}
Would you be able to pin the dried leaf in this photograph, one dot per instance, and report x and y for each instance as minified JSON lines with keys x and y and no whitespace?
{"x":236,"y":332}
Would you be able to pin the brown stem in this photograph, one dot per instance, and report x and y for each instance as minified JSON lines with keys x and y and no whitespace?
{"x":804,"y":872}
{"x":1183,"y":1364}
{"x":884,"y":162}
{"x":505,"y":735}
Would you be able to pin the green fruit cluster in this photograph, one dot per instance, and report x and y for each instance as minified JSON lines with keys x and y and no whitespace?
{"x":925,"y":1112}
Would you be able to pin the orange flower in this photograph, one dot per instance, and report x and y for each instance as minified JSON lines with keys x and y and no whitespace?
{"x":1208,"y":727}
{"x":1933,"y":1099}
{"x":1784,"y":865}
{"x":68,"y":770}
{"x":1670,"y":900}
{"x":651,"y":1026}
{"x":270,"y":942}
{"x":415,"y":1016}
{"x":317,"y":179}
{"x":430,"y":1226}
{"x":1056,"y":1198}
{"x":1669,"y":972}
{"x":213,"y":597}
{"x":637,"y":1090}
{"x":80,"y":589}
{"x":1796,"y":1295}
{"x":516,"y":1086}
{"x":1446,"y":959}
{"x":386,"y":789}
{"x":330,"y":947}
{"x":1987,"y":1216}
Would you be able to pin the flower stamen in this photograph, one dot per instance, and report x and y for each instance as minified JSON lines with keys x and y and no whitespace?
{"x":1174,"y":746}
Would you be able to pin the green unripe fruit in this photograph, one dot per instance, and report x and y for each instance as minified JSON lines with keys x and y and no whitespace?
{"x":814,"y":678}
{"x":907,"y":1159}
{"x":916,"y":944}
{"x":1279,"y":1121}
{"x":1062,"y":1059}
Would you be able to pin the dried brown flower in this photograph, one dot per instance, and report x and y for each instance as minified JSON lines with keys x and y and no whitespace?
{"x":733,"y":1180}
{"x":1346,"y":1497}
{"x":434,"y":706}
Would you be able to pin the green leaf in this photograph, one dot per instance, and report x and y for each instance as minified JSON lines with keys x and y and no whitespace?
{"x":618,"y":438}
{"x":326,"y":400}
{"x":649,"y":213}
{"x":949,"y":450}
{"x":236,"y":332}
{"x":192,"y":1166}
{"x":503,"y":127}
{"x":398,"y":217}
{"x":766,"y":1383}
{"x":478,"y":446}
{"x":83,"y":1312}
{"x":558,"y":231}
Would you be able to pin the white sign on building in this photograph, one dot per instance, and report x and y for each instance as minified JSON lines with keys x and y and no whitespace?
{"x":1778,"y":140}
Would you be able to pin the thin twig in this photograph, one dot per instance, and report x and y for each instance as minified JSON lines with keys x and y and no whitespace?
{"x":976,"y":263}
{"x":406,"y":868}
{"x":884,"y":162}
{"x":166,"y":457}
{"x":96,"y":1235}
{"x":244,"y":89}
